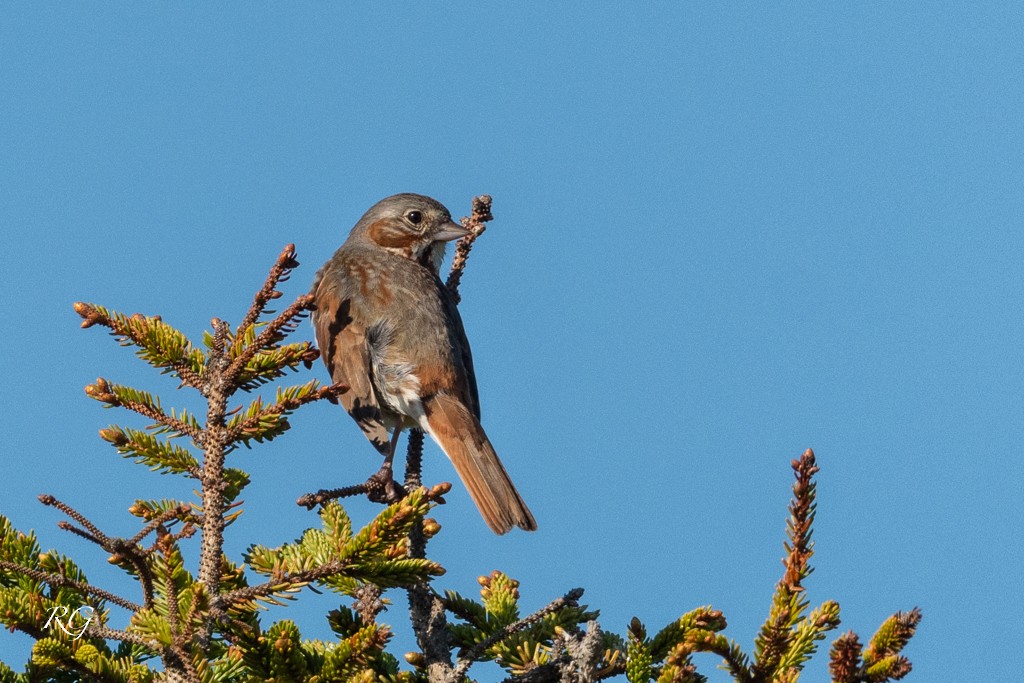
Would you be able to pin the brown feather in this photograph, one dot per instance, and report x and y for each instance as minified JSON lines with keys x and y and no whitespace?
{"x":345,"y":352}
{"x":462,"y":438}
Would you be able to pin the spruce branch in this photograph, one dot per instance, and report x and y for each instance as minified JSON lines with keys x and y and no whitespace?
{"x":145,"y":448}
{"x":171,"y":595}
{"x":94,"y":534}
{"x":122,"y":550}
{"x":145,"y":404}
{"x":61,"y":581}
{"x":576,"y":657}
{"x":798,"y":527}
{"x":788,"y":604}
{"x":882,"y":660}
{"x":284,"y":582}
{"x":262,"y":422}
{"x":275,"y":330}
{"x":414,"y":460}
{"x":159,"y":344}
{"x":570,"y":599}
{"x":892,"y":636}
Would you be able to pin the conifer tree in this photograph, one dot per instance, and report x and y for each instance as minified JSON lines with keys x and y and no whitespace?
{"x":198,"y":619}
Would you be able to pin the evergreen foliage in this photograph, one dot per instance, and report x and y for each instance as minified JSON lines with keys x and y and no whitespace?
{"x":199,"y":619}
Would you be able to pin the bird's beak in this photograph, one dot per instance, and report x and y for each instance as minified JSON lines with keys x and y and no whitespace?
{"x":450,"y":231}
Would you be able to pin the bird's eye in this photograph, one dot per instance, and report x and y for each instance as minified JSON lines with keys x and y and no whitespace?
{"x":414,"y":217}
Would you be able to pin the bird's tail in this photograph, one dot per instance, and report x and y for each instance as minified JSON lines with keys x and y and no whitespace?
{"x":459,"y":434}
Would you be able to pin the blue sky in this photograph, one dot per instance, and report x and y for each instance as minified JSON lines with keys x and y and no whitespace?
{"x":724,"y":233}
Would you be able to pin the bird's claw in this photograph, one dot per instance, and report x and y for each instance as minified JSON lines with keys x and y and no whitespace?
{"x":381,"y":487}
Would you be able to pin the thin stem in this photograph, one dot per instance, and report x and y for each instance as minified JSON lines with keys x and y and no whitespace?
{"x":278,"y":273}
{"x":172,"y":423}
{"x":279,"y":583}
{"x":99,"y":537}
{"x":61,"y":581}
{"x":105,"y":633}
{"x":476,"y":224}
{"x":166,"y":516}
{"x":311,"y":500}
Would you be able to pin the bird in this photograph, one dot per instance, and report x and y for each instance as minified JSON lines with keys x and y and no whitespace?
{"x":388,"y":328}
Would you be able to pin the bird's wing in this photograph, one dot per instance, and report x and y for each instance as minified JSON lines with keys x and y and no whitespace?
{"x":344,"y":348}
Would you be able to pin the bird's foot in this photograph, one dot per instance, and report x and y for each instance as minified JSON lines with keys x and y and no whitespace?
{"x":381,"y":487}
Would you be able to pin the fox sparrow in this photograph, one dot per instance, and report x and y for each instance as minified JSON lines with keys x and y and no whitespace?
{"x":389,"y":329}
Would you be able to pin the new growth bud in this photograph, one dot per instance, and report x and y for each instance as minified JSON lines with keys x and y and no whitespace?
{"x":101,"y":392}
{"x":430,"y":527}
{"x":114,"y":436}
{"x":89,"y":314}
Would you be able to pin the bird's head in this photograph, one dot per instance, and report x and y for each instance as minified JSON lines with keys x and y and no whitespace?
{"x":412,"y":226}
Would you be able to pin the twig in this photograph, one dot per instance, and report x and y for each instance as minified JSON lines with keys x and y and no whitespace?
{"x":277,"y":583}
{"x":279,"y":272}
{"x":61,"y":581}
{"x":476,"y":224}
{"x":165,"y":516}
{"x":69,"y":527}
{"x":105,"y":393}
{"x":570,"y":599}
{"x":311,"y":500}
{"x":113,"y":634}
{"x":265,"y":338}
{"x":93,"y":316}
{"x":121,"y":548}
{"x":328,"y":393}
{"x":801,"y":519}
{"x":98,"y":536}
